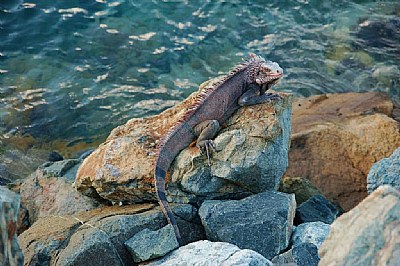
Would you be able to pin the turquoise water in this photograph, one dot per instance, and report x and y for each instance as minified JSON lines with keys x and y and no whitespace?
{"x":71,"y":70}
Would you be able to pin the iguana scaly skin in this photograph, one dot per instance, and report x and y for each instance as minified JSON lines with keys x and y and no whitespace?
{"x":245,"y":85}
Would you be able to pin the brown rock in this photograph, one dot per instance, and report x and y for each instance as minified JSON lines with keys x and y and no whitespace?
{"x":44,"y":194}
{"x":369,"y":234}
{"x":336,"y":138}
{"x":121,"y":169}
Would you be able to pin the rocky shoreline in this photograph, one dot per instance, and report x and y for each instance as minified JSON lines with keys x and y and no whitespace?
{"x":332,"y":198}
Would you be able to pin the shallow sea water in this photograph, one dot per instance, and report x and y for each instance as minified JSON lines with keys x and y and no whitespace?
{"x":71,"y":70}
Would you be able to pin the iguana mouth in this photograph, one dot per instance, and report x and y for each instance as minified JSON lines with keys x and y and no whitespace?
{"x":269,"y":82}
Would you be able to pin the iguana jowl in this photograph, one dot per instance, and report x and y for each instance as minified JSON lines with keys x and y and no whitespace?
{"x":245,"y":85}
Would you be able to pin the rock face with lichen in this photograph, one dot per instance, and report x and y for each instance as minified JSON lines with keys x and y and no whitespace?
{"x":336,"y":138}
{"x":251,"y":157}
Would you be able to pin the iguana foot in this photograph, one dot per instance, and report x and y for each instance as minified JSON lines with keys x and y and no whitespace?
{"x":205,"y":146}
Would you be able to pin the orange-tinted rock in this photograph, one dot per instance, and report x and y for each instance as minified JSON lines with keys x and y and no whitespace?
{"x":121,"y":169}
{"x":336,"y":138}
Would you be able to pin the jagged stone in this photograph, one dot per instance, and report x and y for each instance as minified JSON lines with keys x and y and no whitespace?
{"x":357,"y":125}
{"x":147,"y":244}
{"x":251,"y":157}
{"x":261,"y":222}
{"x":369,"y":234}
{"x":10,"y":252}
{"x":206,"y":253}
{"x":50,"y":191}
{"x":303,"y":254}
{"x":385,"y":172}
{"x":89,"y":247}
{"x":61,"y":240}
{"x":316,"y":208}
{"x":314,"y":232}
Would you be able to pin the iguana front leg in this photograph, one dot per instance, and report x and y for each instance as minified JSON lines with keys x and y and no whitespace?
{"x":256,"y":95}
{"x":206,"y":131}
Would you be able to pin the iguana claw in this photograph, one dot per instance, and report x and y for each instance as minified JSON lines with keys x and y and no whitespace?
{"x":205,"y":146}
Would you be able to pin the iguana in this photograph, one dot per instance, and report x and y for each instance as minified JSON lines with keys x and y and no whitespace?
{"x":245,"y":85}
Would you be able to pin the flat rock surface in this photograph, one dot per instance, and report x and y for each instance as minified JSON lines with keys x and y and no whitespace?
{"x":206,"y":253}
{"x":262,"y":222}
{"x":369,"y":234}
{"x":359,"y":128}
{"x":251,"y":157}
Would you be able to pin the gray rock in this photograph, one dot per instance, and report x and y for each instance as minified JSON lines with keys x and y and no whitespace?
{"x":206,"y":253}
{"x":313,"y":232}
{"x":10,"y":252}
{"x":304,"y":254}
{"x":385,"y":172}
{"x":122,"y":227}
{"x":261,"y":222}
{"x":59,"y":168}
{"x":148,"y":244}
{"x":317,"y":208}
{"x":283,"y":258}
{"x":68,"y":240}
{"x":89,"y":247}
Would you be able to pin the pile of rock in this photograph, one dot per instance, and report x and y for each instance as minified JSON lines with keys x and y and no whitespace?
{"x":234,"y":202}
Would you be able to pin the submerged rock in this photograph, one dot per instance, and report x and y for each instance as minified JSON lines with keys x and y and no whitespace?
{"x":369,"y":234}
{"x":357,"y":125}
{"x":206,"y":253}
{"x":385,"y":172}
{"x":251,"y":157}
{"x":10,"y":252}
{"x":262,"y":222}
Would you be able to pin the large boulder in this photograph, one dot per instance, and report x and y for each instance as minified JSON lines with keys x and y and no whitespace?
{"x":98,"y":237}
{"x":261,"y":222}
{"x":49,"y":191}
{"x":10,"y":252}
{"x":369,"y":234}
{"x":206,"y":253}
{"x":385,"y":172}
{"x":336,"y":138}
{"x":251,"y":157}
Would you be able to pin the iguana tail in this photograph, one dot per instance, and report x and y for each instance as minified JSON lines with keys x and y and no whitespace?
{"x":162,"y":199}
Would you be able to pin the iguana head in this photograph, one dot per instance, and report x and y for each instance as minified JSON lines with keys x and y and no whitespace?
{"x":263,"y":72}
